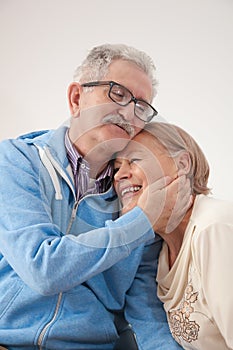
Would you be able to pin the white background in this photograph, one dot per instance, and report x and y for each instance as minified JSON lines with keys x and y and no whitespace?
{"x":191,"y":42}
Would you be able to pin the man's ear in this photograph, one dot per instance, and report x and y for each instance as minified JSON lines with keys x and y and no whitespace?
{"x":183,"y":161}
{"x":73,"y":98}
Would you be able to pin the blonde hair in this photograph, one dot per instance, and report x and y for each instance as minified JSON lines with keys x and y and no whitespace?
{"x":175,"y":140}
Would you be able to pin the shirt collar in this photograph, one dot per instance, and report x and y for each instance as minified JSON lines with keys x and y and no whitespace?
{"x":76,"y":159}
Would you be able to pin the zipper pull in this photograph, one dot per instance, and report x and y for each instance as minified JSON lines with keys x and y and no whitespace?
{"x":73,"y":215}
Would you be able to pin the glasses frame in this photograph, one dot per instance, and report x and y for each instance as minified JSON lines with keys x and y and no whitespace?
{"x":112,"y":83}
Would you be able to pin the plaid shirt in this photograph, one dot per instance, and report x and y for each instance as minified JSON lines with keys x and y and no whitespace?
{"x":83,"y":183}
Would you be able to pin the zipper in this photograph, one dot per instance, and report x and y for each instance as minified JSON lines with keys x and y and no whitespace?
{"x":41,"y":336}
{"x":42,"y":333}
{"x":73,"y":215}
{"x":75,"y":207}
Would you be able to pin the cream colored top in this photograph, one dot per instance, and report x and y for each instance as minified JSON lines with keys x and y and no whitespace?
{"x":198,"y":290}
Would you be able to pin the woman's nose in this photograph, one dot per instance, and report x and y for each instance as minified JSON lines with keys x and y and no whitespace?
{"x":123,"y":172}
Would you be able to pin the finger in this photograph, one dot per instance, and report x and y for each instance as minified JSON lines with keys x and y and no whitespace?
{"x":184,"y":200}
{"x":160,"y":183}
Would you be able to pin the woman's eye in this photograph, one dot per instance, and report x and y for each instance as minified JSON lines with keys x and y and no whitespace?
{"x":134,"y":160}
{"x":115,"y":170}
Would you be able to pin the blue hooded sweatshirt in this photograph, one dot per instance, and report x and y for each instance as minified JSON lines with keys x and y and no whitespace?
{"x":66,"y":266}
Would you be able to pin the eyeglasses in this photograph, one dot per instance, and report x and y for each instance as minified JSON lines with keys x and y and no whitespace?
{"x":122,"y":96}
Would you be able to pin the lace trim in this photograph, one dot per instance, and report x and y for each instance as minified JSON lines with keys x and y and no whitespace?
{"x":179,"y":320}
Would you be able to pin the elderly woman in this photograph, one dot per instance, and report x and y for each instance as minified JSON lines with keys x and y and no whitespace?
{"x":194,"y":269}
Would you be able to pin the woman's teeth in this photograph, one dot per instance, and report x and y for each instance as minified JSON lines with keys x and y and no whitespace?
{"x":130,"y":189}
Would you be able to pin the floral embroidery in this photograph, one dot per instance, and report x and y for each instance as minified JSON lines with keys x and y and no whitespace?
{"x":179,"y":320}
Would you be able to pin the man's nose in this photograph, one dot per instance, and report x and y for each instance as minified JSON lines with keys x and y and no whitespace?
{"x":127,"y":112}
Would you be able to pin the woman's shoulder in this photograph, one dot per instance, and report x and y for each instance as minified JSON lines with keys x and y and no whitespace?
{"x":208,"y":211}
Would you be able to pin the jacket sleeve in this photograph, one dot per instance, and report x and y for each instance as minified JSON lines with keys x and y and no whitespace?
{"x":144,"y":310}
{"x":34,"y":246}
{"x":213,"y":250}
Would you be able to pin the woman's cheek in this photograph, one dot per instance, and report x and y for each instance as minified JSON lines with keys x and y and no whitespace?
{"x":151,"y":171}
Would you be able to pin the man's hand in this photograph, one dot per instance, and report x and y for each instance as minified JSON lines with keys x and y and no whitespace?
{"x":165,"y":202}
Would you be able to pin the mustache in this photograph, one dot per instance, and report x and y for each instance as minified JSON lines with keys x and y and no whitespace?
{"x":121,"y":122}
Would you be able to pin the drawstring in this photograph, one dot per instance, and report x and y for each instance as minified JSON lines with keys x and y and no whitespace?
{"x":53,"y":175}
{"x":59,"y":169}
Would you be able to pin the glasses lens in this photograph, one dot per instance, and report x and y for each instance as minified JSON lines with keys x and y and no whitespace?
{"x":120,"y":94}
{"x":144,"y":111}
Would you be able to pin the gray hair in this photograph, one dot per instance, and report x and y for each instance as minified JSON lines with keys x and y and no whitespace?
{"x":175,"y":140}
{"x":95,"y":65}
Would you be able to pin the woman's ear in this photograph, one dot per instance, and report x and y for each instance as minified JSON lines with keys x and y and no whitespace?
{"x":183,"y":161}
{"x":73,"y":98}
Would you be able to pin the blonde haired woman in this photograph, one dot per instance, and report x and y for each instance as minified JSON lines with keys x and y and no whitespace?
{"x":194,"y":270}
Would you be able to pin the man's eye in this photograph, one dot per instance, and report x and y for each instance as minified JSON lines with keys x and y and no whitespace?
{"x":118,"y":95}
{"x":141,"y":109}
